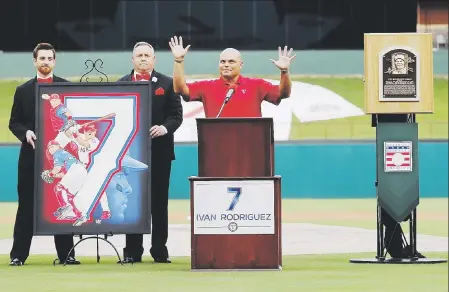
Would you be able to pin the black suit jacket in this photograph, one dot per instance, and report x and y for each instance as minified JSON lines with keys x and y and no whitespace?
{"x":166,"y":111}
{"x":23,"y":117}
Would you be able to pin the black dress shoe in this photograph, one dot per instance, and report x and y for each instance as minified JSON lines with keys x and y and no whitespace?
{"x":126,"y":260}
{"x":162,"y":260}
{"x":16,"y":262}
{"x":71,"y":261}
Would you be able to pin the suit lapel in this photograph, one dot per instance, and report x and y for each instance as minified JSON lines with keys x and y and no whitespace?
{"x":154,"y":84}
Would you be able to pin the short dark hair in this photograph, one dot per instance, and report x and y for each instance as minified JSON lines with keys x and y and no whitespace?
{"x":43,"y":46}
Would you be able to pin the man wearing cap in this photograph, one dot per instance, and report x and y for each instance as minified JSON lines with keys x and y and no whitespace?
{"x":399,"y":65}
{"x":166,"y":119}
{"x":243,"y":95}
{"x":22,"y":125}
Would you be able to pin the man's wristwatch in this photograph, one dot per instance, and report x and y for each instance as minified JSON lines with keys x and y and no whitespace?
{"x":284,"y":71}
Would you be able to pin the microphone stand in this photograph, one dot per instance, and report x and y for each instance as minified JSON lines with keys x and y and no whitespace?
{"x":227,"y":98}
{"x":221,"y":109}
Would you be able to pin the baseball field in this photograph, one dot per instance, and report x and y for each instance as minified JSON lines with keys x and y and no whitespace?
{"x":319,"y":235}
{"x":431,"y":126}
{"x":319,"y":238}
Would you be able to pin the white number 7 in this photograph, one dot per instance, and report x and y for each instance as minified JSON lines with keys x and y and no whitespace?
{"x":105,"y":161}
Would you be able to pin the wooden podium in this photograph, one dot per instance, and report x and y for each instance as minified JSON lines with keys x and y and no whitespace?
{"x":236,"y":199}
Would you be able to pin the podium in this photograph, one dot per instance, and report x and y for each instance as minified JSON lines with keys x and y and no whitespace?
{"x":398,"y":85}
{"x":236,"y":198}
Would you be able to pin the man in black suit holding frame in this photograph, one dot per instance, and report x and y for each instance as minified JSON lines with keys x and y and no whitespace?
{"x":22,"y":125}
{"x":167,"y":117}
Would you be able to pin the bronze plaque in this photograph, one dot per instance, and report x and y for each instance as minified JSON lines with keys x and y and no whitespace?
{"x":398,"y":72}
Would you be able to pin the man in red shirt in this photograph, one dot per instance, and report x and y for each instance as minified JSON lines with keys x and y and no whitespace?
{"x":248,"y":92}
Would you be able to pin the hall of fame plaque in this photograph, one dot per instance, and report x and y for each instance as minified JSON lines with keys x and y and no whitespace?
{"x":399,"y":75}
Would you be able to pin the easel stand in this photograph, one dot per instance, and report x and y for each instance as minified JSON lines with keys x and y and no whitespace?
{"x":97,"y":237}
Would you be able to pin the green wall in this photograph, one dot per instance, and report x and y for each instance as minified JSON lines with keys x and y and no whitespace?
{"x":18,"y":65}
{"x":308,"y":170}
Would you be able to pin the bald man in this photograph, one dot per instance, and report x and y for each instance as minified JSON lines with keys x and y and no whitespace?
{"x":243,"y":95}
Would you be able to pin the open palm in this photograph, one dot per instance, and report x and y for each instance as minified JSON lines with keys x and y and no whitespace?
{"x":285,"y":58}
{"x":177,"y":47}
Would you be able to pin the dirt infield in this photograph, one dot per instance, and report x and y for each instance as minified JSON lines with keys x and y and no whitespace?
{"x":297,"y":239}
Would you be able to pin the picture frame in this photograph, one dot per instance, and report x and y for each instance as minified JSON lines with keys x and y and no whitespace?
{"x":92,"y":158}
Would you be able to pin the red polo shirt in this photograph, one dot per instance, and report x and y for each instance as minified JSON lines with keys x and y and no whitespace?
{"x":245,"y":102}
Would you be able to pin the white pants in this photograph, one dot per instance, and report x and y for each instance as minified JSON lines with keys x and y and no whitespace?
{"x":62,"y":139}
{"x":74,"y":179}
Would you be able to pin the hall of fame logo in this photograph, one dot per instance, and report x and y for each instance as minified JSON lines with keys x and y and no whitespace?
{"x":398,"y":156}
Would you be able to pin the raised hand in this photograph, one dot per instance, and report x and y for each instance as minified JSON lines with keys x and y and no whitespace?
{"x":177,"y":48}
{"x":285,"y":58}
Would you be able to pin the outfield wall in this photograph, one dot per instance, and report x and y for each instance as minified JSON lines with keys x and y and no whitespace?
{"x":325,"y":62}
{"x":308,"y":169}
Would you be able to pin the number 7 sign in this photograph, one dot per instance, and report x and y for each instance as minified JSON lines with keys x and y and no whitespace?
{"x":92,"y":158}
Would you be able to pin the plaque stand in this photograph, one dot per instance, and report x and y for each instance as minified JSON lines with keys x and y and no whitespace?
{"x":398,"y":85}
{"x":381,"y":244}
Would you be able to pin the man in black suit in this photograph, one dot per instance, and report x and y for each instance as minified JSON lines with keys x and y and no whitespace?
{"x":22,"y":125}
{"x":167,"y":116}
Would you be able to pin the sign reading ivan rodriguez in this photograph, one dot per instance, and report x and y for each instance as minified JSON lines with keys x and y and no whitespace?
{"x":234,"y":207}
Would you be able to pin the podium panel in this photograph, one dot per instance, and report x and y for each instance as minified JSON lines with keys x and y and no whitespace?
{"x":236,"y":223}
{"x":398,"y":73}
{"x":238,"y":147}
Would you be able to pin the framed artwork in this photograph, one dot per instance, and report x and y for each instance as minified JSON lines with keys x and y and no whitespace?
{"x":92,"y":158}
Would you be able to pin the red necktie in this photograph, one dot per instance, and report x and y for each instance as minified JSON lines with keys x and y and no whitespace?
{"x":45,"y":80}
{"x":144,"y":76}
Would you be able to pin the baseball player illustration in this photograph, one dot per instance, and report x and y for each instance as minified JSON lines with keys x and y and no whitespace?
{"x":86,"y":143}
{"x":61,"y":119}
{"x":72,"y":173}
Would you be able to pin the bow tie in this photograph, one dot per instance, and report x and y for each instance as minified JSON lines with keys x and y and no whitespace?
{"x":144,"y":76}
{"x":45,"y":80}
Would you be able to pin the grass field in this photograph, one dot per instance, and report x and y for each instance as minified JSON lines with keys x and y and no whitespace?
{"x":301,"y":273}
{"x":431,"y":126}
{"x":330,"y":272}
{"x":432,"y":214}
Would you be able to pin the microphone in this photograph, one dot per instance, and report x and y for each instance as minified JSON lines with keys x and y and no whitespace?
{"x":228,"y":96}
